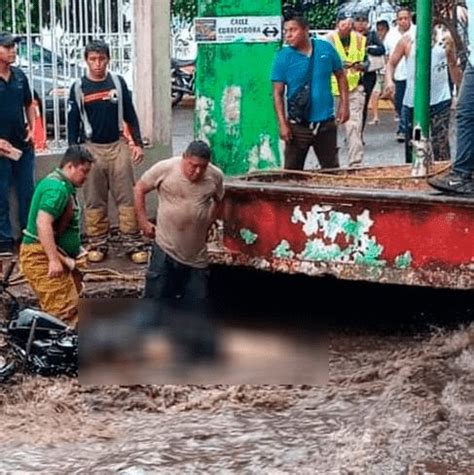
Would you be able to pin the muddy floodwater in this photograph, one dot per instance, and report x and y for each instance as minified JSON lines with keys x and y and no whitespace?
{"x":398,"y":399}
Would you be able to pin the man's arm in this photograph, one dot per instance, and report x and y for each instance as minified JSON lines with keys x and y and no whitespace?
{"x":29,"y":110}
{"x":140,"y":191}
{"x":454,"y":70}
{"x":342,"y":113}
{"x":278,"y":102}
{"x":44,"y":223}
{"x":216,"y":200}
{"x":399,"y":52}
{"x":130,"y":117}
{"x":30,"y":118}
{"x":73,"y":119}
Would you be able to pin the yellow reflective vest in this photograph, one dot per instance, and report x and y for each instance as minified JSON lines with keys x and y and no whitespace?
{"x":355,"y":54}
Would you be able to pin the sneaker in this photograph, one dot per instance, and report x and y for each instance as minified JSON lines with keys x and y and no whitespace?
{"x":400,"y":137}
{"x":6,"y":249}
{"x":453,"y":182}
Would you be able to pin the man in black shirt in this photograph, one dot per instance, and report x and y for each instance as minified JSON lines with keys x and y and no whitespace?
{"x":99,"y":105}
{"x":17,"y":157}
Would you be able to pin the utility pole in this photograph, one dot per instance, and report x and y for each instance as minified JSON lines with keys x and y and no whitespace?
{"x":152,"y":71}
{"x":422,"y":151}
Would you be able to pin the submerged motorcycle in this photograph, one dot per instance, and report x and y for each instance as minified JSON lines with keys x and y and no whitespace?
{"x":34,"y":341}
{"x":183,"y":75}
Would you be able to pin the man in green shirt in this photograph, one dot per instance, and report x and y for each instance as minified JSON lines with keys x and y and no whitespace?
{"x":52,"y":236}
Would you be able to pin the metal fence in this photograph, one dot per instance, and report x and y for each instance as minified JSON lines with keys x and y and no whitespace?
{"x":182,"y":44}
{"x":53,"y":35}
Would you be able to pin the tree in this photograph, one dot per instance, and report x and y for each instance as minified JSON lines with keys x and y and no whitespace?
{"x":186,"y":9}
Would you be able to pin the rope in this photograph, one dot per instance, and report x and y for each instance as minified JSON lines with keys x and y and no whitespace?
{"x":103,"y":274}
{"x":106,"y":273}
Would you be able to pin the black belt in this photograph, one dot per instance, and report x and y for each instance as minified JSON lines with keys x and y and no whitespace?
{"x":312,"y":125}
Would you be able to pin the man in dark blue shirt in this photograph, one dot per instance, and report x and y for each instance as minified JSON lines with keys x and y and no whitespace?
{"x":17,"y":157}
{"x":99,"y":105}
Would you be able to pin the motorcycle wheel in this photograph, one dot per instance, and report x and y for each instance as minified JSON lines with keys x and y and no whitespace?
{"x":176,"y":95}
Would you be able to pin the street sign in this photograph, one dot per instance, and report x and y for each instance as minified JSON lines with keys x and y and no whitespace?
{"x":239,"y":29}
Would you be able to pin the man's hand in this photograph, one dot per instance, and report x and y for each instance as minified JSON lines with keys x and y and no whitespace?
{"x":389,"y":89}
{"x":285,"y":132}
{"x":55,"y":268}
{"x":30,"y":135}
{"x":137,"y":154}
{"x":342,"y":114}
{"x":5,"y":146}
{"x":356,"y":66}
{"x":147,"y":228}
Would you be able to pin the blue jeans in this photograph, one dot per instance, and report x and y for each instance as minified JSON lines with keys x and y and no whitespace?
{"x":21,"y":175}
{"x":464,"y":161}
{"x":400,"y":87}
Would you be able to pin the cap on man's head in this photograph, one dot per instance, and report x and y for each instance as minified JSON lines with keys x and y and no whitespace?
{"x":360,"y":16}
{"x":7,"y":39}
{"x":344,"y":14}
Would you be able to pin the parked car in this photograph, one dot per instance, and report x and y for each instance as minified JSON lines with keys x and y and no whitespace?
{"x":50,"y":77}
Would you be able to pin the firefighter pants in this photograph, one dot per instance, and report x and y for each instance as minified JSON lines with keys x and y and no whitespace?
{"x":112,"y":172}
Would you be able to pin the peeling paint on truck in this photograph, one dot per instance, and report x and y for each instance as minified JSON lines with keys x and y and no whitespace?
{"x":248,"y":236}
{"x":382,"y":236}
{"x":343,"y":238}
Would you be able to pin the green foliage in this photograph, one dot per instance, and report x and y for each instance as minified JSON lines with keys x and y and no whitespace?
{"x":186,"y":9}
{"x":411,"y":4}
{"x":6,"y":15}
{"x":321,"y":15}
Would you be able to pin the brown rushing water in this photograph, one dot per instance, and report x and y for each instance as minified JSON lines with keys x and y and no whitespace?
{"x":398,"y":392}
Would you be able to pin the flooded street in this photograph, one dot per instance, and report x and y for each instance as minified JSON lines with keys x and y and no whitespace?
{"x":400,"y":387}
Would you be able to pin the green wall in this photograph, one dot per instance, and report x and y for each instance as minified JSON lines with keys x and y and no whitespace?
{"x":234,"y":105}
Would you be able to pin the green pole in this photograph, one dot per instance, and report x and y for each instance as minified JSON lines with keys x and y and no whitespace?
{"x":234,"y":105}
{"x":421,"y":120}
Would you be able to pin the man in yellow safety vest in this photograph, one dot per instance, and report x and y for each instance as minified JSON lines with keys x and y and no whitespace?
{"x":351,"y":47}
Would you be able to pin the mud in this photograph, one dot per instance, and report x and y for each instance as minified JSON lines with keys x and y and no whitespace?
{"x":381,"y":178}
{"x":387,"y":404}
{"x":399,"y":396}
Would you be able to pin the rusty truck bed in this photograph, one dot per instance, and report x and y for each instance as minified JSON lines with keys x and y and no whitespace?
{"x":372,"y":224}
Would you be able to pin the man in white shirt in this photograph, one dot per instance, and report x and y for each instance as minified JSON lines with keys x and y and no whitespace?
{"x":404,"y":25}
{"x":460,"y":179}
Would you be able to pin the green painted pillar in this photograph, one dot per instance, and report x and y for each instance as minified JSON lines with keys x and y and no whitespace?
{"x":234,"y":105}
